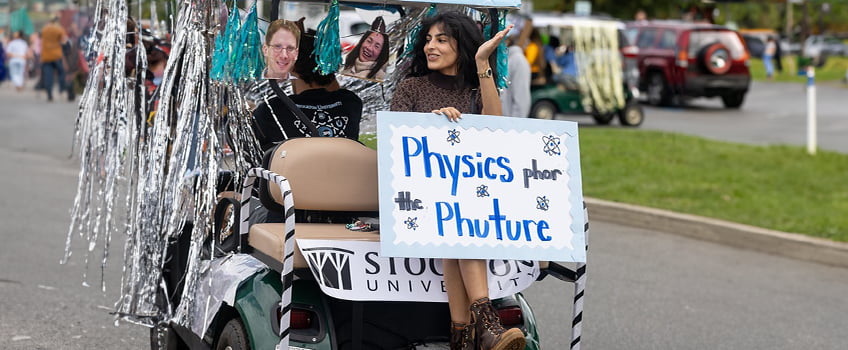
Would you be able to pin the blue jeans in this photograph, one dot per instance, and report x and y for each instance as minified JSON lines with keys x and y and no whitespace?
{"x":767,"y":61}
{"x":47,"y":72}
{"x":16,"y":71}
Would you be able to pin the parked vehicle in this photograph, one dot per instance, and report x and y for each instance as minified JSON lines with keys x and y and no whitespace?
{"x":820,"y":47}
{"x":755,"y":40}
{"x":683,"y":59}
{"x":551,"y":98}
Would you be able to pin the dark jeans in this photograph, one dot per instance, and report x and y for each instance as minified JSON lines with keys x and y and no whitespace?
{"x":48,"y":69}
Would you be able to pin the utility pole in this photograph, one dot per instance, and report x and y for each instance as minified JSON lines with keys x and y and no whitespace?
{"x":805,"y":26}
{"x":789,"y":21}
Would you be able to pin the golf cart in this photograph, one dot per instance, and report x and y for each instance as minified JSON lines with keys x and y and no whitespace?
{"x":604,"y":85}
{"x":199,"y":271}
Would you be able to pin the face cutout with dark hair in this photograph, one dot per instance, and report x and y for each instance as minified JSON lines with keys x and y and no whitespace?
{"x":370,"y":57}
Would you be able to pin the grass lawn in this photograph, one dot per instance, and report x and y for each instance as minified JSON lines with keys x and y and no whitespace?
{"x":833,"y":70}
{"x":775,"y":187}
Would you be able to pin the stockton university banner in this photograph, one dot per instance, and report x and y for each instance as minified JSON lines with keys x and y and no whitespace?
{"x":354,"y":270}
{"x":486,"y":187}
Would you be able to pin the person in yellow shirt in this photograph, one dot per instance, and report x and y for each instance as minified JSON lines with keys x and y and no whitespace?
{"x":52,"y":38}
{"x":536,"y":57}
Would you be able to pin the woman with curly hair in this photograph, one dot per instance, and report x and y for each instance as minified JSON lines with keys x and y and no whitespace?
{"x":451,"y":74}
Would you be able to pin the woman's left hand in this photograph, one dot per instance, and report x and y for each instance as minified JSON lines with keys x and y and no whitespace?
{"x":451,"y":113}
{"x":487,"y":48}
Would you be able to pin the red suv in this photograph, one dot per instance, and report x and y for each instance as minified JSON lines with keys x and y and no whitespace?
{"x":678,"y":59}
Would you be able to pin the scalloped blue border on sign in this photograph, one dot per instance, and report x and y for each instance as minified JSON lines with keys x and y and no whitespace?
{"x":386,"y":120}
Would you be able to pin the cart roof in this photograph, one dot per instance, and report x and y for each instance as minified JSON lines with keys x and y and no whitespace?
{"x":561,"y":20}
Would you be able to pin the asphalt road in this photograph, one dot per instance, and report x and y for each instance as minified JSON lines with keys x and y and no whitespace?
{"x":646,"y":290}
{"x":773,"y":113}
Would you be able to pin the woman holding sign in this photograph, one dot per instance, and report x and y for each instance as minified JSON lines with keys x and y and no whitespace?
{"x":451,"y":74}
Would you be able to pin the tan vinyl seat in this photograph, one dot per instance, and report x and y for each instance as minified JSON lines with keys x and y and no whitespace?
{"x":325,"y":173}
{"x":269,"y":238}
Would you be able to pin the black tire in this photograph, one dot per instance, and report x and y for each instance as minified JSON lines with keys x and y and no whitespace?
{"x":233,"y":337}
{"x":631,"y":115}
{"x":733,"y":100}
{"x":543,"y":109}
{"x":658,"y":92}
{"x":603,"y":118}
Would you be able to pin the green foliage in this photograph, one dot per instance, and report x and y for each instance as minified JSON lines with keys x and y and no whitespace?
{"x":776,"y":187}
{"x":747,"y":14}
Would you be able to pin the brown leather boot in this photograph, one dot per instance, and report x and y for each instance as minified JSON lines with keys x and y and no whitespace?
{"x":489,"y":333}
{"x":461,"y":337}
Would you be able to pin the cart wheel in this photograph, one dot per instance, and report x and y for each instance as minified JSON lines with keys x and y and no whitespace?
{"x":631,"y":115}
{"x":233,"y":337}
{"x":543,"y":109}
{"x":603,"y":118}
{"x":733,"y":100}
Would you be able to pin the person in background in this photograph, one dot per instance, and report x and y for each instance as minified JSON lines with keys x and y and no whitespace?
{"x":768,"y":56}
{"x":2,"y":62}
{"x":535,"y":56}
{"x":52,"y":38}
{"x":778,"y":57}
{"x":368,"y":59}
{"x":451,"y":74}
{"x":515,"y":99}
{"x":640,"y":16}
{"x":17,"y":53}
{"x":561,"y":61}
{"x":35,"y":61}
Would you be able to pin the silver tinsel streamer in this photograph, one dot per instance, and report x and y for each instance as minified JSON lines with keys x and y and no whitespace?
{"x":153,"y":184}
{"x":166,"y":173}
{"x":104,"y":132}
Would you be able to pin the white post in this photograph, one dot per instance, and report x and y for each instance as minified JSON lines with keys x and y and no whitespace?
{"x":811,"y":110}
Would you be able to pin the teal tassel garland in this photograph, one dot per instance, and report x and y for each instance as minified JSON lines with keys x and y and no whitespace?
{"x":249,"y":51}
{"x":224,"y":46}
{"x":502,"y":56}
{"x":232,"y":40}
{"x":328,"y":46}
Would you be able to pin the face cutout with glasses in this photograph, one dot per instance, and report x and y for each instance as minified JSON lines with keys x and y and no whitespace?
{"x":280,"y":48}
{"x":280,"y":54}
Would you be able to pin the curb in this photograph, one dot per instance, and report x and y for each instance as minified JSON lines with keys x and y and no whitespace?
{"x":789,"y":245}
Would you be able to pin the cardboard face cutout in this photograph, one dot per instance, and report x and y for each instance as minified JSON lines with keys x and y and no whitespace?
{"x":371,"y":56}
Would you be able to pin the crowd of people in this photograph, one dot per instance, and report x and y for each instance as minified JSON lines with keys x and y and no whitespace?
{"x":49,"y":57}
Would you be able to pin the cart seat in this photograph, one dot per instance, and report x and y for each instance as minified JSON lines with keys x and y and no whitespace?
{"x":269,"y":239}
{"x":328,"y":174}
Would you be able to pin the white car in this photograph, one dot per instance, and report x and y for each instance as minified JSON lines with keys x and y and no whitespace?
{"x":819,"y":47}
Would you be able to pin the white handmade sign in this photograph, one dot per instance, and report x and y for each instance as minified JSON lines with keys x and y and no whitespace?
{"x":354,"y":270}
{"x":484,"y":188}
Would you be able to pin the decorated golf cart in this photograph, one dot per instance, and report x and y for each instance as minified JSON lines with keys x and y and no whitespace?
{"x":602,"y":73}
{"x":176,"y":179}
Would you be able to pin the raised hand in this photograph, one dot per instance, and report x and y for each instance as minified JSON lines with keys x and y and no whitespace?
{"x":487,"y":48}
